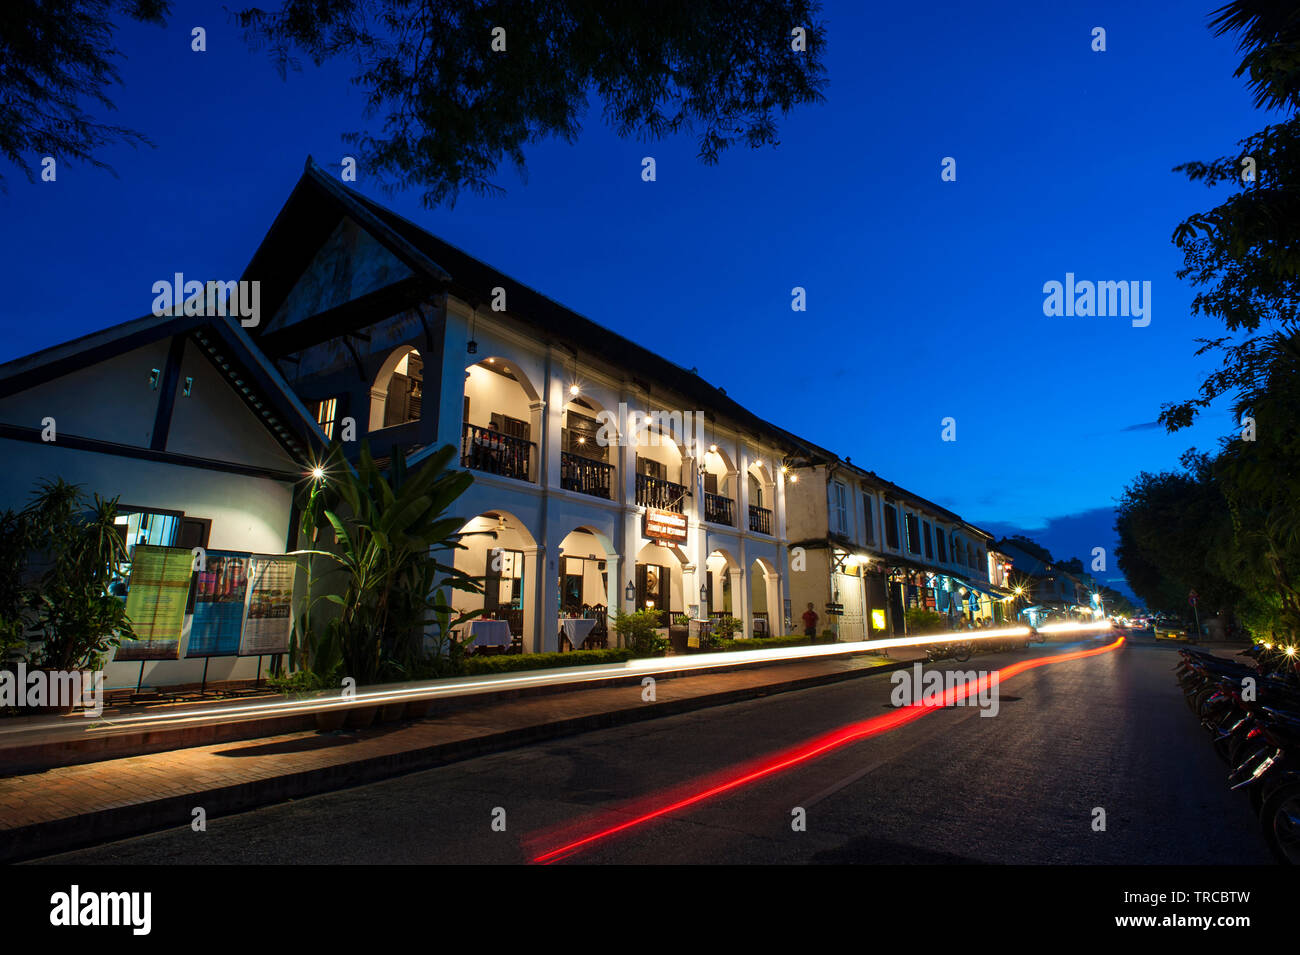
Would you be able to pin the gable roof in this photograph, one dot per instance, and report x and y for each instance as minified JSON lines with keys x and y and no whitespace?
{"x":221,"y":339}
{"x":317,"y":203}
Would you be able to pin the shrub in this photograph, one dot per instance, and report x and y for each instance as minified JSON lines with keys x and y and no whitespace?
{"x":924,"y":620}
{"x":510,"y":663}
{"x":640,"y":632}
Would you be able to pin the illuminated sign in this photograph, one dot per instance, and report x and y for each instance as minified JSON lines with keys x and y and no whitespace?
{"x":877,"y":620}
{"x":665,"y":526}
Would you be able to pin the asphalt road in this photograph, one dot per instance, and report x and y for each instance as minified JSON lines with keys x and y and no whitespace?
{"x":1109,"y":732}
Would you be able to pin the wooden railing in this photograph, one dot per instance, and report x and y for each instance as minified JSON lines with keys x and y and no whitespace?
{"x":760,"y":519}
{"x":658,"y":493}
{"x":585,"y":475}
{"x":483,"y":449}
{"x":719,"y":509}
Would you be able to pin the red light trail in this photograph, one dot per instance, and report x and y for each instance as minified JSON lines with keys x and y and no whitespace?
{"x":852,"y":733}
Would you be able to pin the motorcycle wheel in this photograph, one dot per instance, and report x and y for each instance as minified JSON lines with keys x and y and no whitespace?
{"x":1280,"y":820}
{"x":961,"y":652}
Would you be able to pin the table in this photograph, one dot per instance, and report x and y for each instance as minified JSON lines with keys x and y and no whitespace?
{"x":577,"y":629}
{"x":490,"y":633}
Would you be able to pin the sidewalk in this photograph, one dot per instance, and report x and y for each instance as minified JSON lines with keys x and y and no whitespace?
{"x":70,"y":806}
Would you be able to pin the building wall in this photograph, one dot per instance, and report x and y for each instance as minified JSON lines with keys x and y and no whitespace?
{"x":112,"y":401}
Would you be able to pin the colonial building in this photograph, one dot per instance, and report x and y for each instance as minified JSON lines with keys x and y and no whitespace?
{"x":606,"y":476}
{"x":864,"y":550}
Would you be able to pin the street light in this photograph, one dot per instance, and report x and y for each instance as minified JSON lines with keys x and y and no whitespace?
{"x":629,"y":592}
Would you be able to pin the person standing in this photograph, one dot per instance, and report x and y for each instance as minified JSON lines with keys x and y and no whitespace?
{"x":810,"y":623}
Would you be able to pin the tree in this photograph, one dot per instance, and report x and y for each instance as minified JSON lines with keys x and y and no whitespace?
{"x":460,"y":86}
{"x":74,"y":549}
{"x":1244,"y":254}
{"x":1173,"y":528}
{"x":388,"y":581}
{"x":54,"y":58}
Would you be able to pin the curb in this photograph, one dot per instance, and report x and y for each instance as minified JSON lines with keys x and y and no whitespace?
{"x":107,"y":825}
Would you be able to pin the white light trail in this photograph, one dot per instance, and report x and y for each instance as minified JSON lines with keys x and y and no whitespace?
{"x":455,"y":687}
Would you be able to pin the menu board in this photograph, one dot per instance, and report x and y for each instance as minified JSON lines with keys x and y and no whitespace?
{"x":270,"y":601}
{"x":155,"y":603}
{"x":220,"y":592}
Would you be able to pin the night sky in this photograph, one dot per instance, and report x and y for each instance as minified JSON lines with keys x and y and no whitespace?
{"x":924,"y":297}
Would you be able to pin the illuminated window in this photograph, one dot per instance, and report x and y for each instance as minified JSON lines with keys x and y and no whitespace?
{"x":325,"y":415}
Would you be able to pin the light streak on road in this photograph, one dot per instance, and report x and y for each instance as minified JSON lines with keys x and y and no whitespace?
{"x":821,"y":745}
{"x":16,"y":734}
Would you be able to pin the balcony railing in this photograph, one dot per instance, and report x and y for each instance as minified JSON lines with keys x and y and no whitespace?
{"x":658,"y":493}
{"x":585,"y":475}
{"x":760,"y":519}
{"x":483,"y":449}
{"x":719,"y":509}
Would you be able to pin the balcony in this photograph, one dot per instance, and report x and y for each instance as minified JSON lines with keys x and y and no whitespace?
{"x":760,"y":520}
{"x":483,"y":449}
{"x":659,"y":494}
{"x":719,"y":509}
{"x":585,"y":475}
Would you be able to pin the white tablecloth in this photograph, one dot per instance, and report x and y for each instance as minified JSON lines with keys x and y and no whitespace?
{"x":490,"y":633}
{"x":577,"y":629}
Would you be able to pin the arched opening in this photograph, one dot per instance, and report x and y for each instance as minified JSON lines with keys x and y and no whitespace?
{"x":584,"y":588}
{"x":719,"y":494}
{"x":762,"y":597}
{"x":397,"y":395}
{"x":586,"y":436}
{"x":502,"y":419}
{"x":500,"y":551}
{"x":761,"y":491}
{"x":658,"y":581}
{"x":722,"y":578}
{"x":660,"y":478}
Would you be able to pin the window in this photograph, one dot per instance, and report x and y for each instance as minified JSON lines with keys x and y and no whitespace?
{"x":139,"y":525}
{"x":970,"y":555}
{"x":891,"y":526}
{"x":867,"y":508}
{"x":839,"y":508}
{"x":942,"y":541}
{"x":652,"y":469}
{"x":580,"y":437}
{"x":514,"y":427}
{"x":929,"y":548}
{"x":325,"y":411}
{"x":913,"y":533}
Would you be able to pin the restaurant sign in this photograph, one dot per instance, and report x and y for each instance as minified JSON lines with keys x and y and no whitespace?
{"x":665,"y":525}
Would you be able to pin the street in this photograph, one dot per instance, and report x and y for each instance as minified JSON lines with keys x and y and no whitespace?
{"x":1110,"y":732}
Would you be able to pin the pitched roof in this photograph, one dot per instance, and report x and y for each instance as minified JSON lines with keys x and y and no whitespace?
{"x":224,"y":342}
{"x":317,"y":203}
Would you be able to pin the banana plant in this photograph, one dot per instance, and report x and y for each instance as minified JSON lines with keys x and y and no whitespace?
{"x":388,"y":531}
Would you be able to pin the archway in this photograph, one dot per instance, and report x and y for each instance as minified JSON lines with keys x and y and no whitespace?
{"x":658,"y":581}
{"x":397,"y":394}
{"x":501,"y":420}
{"x":501,"y":552}
{"x":587,"y":465}
{"x":587,"y":576}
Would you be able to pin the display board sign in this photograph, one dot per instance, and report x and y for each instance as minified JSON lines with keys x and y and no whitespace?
{"x":220,"y":595}
{"x":270,"y":601}
{"x":665,"y":525}
{"x":158,"y":591}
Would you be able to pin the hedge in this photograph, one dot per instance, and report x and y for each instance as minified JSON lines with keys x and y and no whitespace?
{"x":512,"y":662}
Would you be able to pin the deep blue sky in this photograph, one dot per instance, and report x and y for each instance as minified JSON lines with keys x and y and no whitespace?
{"x":925,"y":297}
